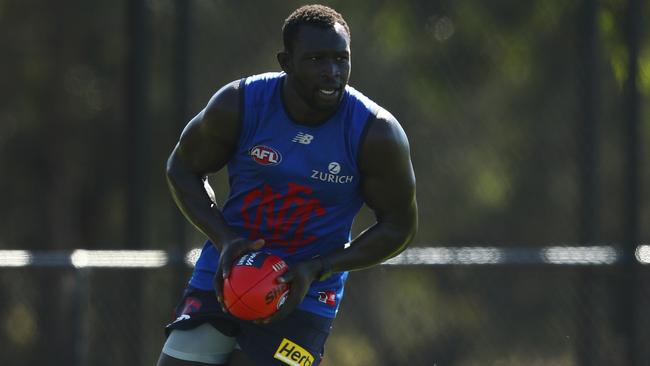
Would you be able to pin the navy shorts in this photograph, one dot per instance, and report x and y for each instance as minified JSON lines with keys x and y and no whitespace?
{"x":298,"y":339}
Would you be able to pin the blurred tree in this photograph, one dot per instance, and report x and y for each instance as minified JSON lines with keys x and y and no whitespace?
{"x":487,"y":92}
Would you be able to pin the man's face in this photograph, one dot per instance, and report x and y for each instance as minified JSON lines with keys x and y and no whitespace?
{"x":320,"y":65}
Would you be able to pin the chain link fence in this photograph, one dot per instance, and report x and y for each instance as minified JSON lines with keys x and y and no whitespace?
{"x":526,"y":122}
{"x":430,"y":306}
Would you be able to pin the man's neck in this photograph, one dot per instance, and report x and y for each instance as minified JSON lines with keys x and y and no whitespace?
{"x":299,"y":111}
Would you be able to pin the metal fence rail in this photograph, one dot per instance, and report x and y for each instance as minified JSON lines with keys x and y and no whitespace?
{"x":444,"y":255}
{"x":473,"y":305}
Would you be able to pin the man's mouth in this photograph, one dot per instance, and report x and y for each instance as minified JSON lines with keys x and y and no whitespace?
{"x":329,"y":93}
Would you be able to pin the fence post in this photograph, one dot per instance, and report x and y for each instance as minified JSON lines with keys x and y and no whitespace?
{"x":80,"y":316}
{"x":180,"y":101}
{"x":631,"y":183}
{"x":589,"y":132}
{"x":138,"y":141}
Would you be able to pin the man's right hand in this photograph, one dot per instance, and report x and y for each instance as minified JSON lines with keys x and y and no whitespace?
{"x":230,"y":252}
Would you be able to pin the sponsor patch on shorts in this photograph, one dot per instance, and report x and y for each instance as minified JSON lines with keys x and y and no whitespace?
{"x":292,"y":354}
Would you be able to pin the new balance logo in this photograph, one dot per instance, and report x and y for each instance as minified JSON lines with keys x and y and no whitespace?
{"x":303,"y":138}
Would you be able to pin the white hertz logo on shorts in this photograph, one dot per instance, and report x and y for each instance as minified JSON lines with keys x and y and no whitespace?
{"x":292,"y":354}
{"x":332,"y":175}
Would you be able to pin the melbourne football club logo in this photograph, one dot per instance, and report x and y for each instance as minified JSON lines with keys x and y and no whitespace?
{"x":191,"y":305}
{"x":327,"y":297}
{"x":282,"y":218}
{"x":265,"y":155}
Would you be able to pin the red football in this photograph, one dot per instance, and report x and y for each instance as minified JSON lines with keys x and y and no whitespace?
{"x":252,"y":291}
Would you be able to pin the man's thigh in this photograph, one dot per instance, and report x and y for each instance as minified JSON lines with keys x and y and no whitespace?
{"x":297,"y":340}
{"x":165,"y":360}
{"x":202,"y":345}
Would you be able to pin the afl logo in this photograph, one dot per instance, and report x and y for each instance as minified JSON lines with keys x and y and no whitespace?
{"x":265,"y":155}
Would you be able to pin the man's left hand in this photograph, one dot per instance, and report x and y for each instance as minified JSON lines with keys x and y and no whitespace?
{"x":300,"y":276}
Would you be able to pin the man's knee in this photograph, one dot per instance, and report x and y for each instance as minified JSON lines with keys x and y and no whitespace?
{"x":203,"y":345}
{"x":166,"y":360}
{"x":239,"y":358}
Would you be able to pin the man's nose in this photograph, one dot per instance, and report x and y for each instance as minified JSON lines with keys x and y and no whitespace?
{"x":331,"y":70}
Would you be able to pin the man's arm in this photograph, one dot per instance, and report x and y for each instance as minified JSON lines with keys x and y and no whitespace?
{"x":205,"y":146}
{"x":388,"y":188}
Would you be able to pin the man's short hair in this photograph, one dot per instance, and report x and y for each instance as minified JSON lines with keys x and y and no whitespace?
{"x":317,"y":15}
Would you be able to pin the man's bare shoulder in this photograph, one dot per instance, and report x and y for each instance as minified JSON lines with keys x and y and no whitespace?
{"x":385,"y":131}
{"x":226,"y":101}
{"x":209,"y":139}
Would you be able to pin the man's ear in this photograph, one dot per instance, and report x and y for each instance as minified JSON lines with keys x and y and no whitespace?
{"x":284,"y":59}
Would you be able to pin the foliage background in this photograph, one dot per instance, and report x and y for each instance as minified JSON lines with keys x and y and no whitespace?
{"x":488,"y":92}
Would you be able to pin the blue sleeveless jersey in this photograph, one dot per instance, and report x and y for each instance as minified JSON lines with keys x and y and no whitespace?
{"x":293,"y":185}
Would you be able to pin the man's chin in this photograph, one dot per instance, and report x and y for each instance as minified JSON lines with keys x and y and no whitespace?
{"x":326,"y":104}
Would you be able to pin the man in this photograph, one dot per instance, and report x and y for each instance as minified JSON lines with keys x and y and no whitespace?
{"x":304,"y":151}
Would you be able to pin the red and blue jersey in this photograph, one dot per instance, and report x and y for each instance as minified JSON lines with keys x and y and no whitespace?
{"x":296,"y":186}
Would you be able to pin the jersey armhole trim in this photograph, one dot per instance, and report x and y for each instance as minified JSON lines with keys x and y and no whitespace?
{"x":372,"y":117}
{"x":242,"y":109}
